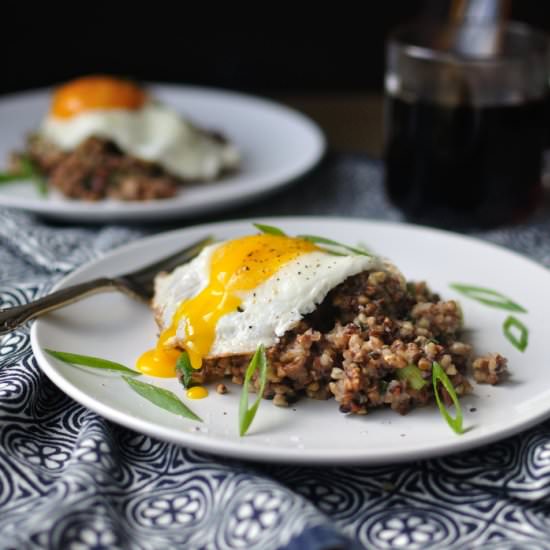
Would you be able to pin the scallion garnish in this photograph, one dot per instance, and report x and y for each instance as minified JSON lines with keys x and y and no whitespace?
{"x":246,"y":414}
{"x":413,"y":375}
{"x":362,"y":246}
{"x":91,"y":361}
{"x":509,"y":327}
{"x":8,"y":177}
{"x":32,"y":172}
{"x":439,"y":375}
{"x":162,"y":398}
{"x":28,"y":172}
{"x":488,"y":297}
{"x":272,"y":230}
{"x":183,"y":366}
{"x":269,"y":229}
{"x":322,"y":240}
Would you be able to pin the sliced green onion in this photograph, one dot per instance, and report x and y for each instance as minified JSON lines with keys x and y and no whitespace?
{"x":91,"y":361}
{"x":8,"y":177}
{"x":30,"y":170}
{"x":509,"y":326}
{"x":488,"y":297}
{"x":413,"y":375}
{"x":272,"y":230}
{"x":322,"y":240}
{"x":439,"y":375}
{"x":362,"y":246}
{"x":269,"y":229}
{"x":246,"y":414}
{"x":183,"y":366}
{"x":162,"y":398}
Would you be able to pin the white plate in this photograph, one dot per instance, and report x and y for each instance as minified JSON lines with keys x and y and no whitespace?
{"x":115,"y":327}
{"x":277,"y":144}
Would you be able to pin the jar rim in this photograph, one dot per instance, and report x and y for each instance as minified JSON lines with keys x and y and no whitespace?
{"x":435,"y":42}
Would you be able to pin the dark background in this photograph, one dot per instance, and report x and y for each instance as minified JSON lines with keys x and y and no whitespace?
{"x":267,"y":49}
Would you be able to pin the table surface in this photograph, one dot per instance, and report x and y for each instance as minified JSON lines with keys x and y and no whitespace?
{"x":352,"y":122}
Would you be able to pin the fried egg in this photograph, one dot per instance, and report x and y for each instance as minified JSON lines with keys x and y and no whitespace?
{"x":122,"y":112}
{"x":241,"y":293}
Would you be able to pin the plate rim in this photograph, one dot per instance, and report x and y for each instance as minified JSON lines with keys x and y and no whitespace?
{"x":150,"y":211}
{"x":258,"y":452}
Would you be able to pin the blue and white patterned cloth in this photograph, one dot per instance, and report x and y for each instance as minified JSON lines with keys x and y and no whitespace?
{"x":71,"y":480}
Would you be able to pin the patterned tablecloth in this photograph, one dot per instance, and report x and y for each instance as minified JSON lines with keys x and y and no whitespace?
{"x":70,"y":479}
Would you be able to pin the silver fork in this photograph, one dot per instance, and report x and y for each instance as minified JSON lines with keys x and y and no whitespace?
{"x":138,"y":284}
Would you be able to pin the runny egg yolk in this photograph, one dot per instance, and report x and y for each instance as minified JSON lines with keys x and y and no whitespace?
{"x":197,"y":392}
{"x":159,"y":361}
{"x":96,"y":92}
{"x":236,"y":266}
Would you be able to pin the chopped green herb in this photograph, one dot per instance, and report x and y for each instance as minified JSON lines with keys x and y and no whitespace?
{"x":8,"y":177}
{"x":272,"y":230}
{"x":183,"y":366}
{"x":162,"y":398}
{"x":509,"y":328}
{"x":322,"y":240}
{"x":90,"y":361}
{"x":362,"y":246}
{"x":413,"y":375}
{"x":246,"y":414}
{"x":30,"y":170}
{"x":488,"y":297}
{"x":269,"y":229}
{"x":439,"y":375}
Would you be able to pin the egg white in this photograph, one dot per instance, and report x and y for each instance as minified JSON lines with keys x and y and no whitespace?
{"x":269,"y":310}
{"x":154,"y":133}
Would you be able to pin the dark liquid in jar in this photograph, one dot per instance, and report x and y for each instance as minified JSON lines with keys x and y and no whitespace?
{"x":462,"y":165}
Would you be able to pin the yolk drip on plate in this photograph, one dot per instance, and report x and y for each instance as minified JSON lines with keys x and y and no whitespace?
{"x":197,"y":392}
{"x":159,"y":361}
{"x":96,"y":92}
{"x":238,"y":265}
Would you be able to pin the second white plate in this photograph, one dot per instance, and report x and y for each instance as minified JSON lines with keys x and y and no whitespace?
{"x":115,"y":327}
{"x":277,"y":144}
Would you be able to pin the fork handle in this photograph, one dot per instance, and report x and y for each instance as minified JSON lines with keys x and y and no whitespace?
{"x":14,"y":317}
